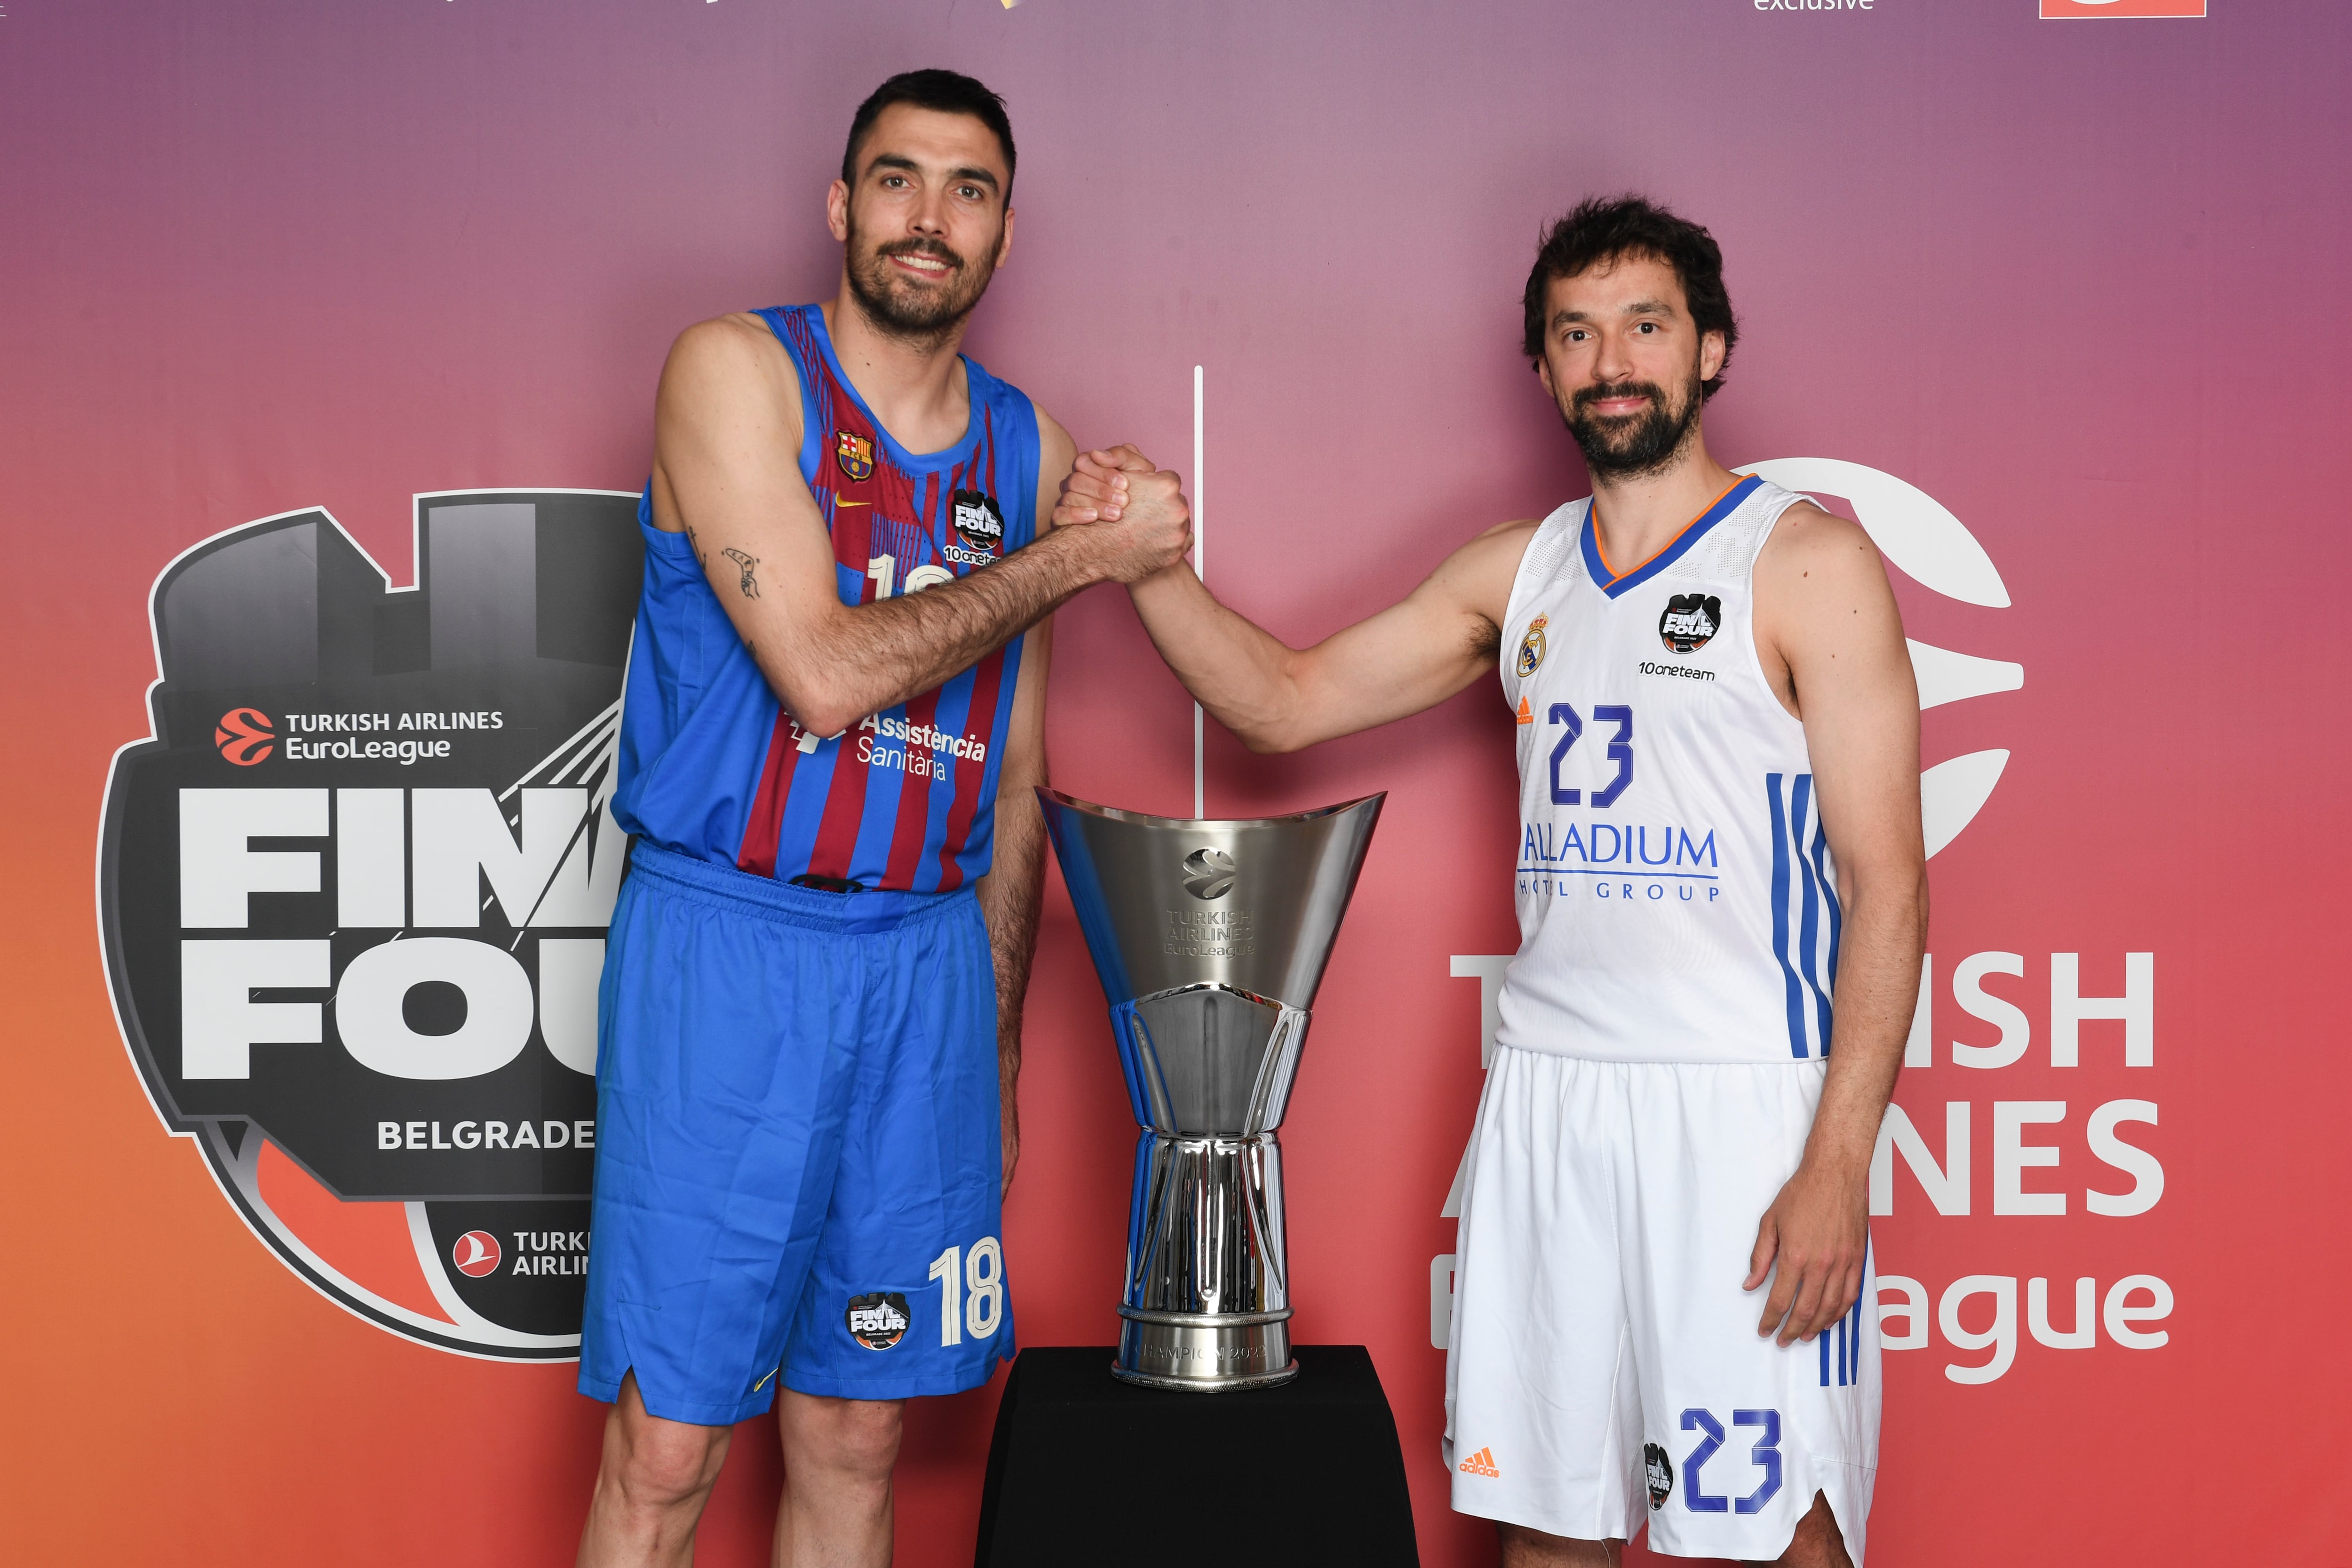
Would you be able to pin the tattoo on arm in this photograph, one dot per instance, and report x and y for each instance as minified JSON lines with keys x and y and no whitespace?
{"x":695,"y":545}
{"x":750,"y":584}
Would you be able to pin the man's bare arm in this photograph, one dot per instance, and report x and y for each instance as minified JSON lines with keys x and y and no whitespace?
{"x":1411,"y":655}
{"x":1009,"y":893}
{"x":727,"y":442}
{"x":1835,"y":644}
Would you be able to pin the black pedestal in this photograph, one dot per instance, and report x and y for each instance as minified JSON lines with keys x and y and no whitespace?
{"x":1085,"y":1469}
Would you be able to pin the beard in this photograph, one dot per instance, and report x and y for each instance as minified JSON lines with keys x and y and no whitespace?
{"x":1631,"y":445}
{"x":900,"y":308}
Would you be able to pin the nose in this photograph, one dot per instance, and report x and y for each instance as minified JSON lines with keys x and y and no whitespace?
{"x":931,"y":214}
{"x":1613,"y":362}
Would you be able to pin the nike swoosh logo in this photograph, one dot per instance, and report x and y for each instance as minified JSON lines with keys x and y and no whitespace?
{"x":764,"y":1382}
{"x":839,"y":503}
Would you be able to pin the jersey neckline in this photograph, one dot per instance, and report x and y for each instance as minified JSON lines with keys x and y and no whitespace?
{"x":1613,"y":584}
{"x":910,"y":462}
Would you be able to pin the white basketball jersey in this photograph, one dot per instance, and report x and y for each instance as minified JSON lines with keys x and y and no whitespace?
{"x":1678,"y":900}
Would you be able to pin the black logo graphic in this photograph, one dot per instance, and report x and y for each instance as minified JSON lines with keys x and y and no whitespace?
{"x":1659,"y":1471}
{"x":977,"y":521}
{"x":1690,"y":619}
{"x":367,"y":971}
{"x":879,"y":1319}
{"x":1208,"y":873}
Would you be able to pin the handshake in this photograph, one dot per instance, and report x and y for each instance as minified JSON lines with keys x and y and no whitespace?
{"x":1138,"y":519}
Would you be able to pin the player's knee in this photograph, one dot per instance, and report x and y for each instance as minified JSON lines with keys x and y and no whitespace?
{"x":665,"y":1467}
{"x":865,"y":1435}
{"x":857,"y":1438}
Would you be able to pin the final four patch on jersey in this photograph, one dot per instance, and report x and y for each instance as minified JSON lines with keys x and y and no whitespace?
{"x":977,"y":521}
{"x":854,"y":453}
{"x":1690,"y":619}
{"x":1659,"y":1471}
{"x":878,"y":1320}
{"x":1531,"y":646}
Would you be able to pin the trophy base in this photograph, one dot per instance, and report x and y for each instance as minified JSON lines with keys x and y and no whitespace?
{"x":1204,"y":1353}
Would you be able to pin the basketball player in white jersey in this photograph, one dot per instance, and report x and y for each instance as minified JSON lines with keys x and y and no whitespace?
{"x":1664,"y":1306}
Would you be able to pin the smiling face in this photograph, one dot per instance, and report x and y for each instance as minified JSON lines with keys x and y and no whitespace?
{"x":1624,"y":363}
{"x":925,"y":226}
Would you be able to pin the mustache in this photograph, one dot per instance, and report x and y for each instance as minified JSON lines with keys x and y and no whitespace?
{"x":1585,"y":397}
{"x":930,"y":248}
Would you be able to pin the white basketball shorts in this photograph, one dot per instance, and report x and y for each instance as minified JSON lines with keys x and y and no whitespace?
{"x":1605,"y":1365}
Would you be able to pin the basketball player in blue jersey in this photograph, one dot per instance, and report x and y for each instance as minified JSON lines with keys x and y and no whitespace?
{"x":1663,"y":1280}
{"x":810,"y":1017}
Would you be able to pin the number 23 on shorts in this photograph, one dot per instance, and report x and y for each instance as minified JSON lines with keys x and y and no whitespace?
{"x":1765,"y":1456}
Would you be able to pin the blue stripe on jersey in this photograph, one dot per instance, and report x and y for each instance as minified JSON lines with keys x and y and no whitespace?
{"x":1807,"y":921}
{"x":1695,"y":530}
{"x":804,"y":806}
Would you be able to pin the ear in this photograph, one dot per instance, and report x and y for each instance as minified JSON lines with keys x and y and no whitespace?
{"x":836,"y":210}
{"x":1710,"y":356}
{"x":1005,"y":243}
{"x":1543,"y":373}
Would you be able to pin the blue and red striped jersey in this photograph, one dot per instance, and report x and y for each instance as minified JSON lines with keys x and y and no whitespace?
{"x":710,"y":763}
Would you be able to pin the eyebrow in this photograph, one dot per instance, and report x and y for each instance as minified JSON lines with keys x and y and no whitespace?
{"x":900,"y":161}
{"x":1638,"y":308}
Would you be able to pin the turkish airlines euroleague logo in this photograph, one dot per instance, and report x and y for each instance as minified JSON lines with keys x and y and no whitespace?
{"x":244,"y":736}
{"x":362,"y":981}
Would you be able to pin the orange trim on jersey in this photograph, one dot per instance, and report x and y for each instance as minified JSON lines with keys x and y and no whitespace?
{"x":1603,"y":551}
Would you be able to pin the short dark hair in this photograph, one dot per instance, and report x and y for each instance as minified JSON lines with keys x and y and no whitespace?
{"x":1609,"y":229}
{"x":948,"y":92}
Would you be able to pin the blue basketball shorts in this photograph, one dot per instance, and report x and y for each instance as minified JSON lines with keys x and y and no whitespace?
{"x":798,"y":1147}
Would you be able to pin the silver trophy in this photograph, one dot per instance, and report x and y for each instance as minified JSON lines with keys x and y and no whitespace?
{"x":1211,"y":938}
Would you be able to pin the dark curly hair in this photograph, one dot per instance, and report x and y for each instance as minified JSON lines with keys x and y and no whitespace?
{"x":1608,"y":228}
{"x":949,"y":92}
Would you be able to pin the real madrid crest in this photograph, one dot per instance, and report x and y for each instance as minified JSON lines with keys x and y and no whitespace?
{"x":854,"y":453}
{"x":1531,"y":646}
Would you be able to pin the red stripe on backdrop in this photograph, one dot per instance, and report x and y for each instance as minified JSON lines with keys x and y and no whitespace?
{"x":986,"y":679}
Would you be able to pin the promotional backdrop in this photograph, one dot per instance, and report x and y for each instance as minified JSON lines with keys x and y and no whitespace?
{"x":2052,"y":307}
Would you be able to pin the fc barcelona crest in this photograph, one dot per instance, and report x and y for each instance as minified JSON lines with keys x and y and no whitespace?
{"x":854,"y":453}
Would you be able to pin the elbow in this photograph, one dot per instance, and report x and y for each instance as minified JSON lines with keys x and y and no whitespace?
{"x":1270,"y":742}
{"x":813,"y":705}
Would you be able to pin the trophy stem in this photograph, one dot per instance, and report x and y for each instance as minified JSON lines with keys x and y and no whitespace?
{"x":1207,"y":1305}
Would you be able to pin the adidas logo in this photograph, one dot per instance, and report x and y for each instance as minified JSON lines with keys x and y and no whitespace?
{"x":1481,"y":1462}
{"x":1527,"y":714}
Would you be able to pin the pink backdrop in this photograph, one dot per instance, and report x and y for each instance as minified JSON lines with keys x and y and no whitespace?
{"x":2080,"y":284}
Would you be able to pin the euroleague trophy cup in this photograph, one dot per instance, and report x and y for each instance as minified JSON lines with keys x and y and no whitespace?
{"x":1210,"y":938}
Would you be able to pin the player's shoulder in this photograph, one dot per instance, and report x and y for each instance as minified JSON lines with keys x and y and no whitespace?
{"x":1809,"y":538}
{"x":1478,"y":575}
{"x":738,"y":340}
{"x":734,"y":359}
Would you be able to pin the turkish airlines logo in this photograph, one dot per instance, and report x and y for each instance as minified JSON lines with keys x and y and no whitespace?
{"x":245,"y":737}
{"x":1935,"y":550}
{"x":475,"y":1254}
{"x":2055,"y":10}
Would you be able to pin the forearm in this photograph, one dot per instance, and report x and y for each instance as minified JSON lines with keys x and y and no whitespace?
{"x":868,"y":658}
{"x":1009,"y":900}
{"x":1241,"y":675}
{"x":1877,"y":986}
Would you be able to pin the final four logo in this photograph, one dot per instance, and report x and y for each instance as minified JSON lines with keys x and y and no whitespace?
{"x":353,"y":893}
{"x":1690,"y":620}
